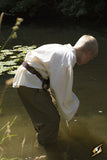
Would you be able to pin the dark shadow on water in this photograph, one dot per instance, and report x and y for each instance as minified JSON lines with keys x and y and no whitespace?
{"x":78,"y":144}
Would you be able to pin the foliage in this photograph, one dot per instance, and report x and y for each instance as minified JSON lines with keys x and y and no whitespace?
{"x":73,"y":8}
{"x":79,"y":8}
{"x":29,"y":7}
{"x":7,"y":134}
{"x":11,"y":59}
{"x":13,"y":33}
{"x":69,"y":8}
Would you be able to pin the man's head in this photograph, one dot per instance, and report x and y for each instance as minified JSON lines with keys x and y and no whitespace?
{"x":86,"y":49}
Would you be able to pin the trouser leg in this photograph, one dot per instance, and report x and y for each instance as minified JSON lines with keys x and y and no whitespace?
{"x":42,"y":112}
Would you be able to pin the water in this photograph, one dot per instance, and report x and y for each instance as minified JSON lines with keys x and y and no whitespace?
{"x":89,"y":128}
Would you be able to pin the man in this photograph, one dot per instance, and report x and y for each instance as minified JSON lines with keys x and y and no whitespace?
{"x":52,"y":65}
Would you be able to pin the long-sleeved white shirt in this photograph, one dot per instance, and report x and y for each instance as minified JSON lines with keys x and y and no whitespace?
{"x":57,"y":62}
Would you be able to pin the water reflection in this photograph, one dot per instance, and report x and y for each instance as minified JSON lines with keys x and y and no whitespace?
{"x":86,"y":131}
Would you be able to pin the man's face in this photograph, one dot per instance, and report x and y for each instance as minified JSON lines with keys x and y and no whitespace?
{"x":84,"y":58}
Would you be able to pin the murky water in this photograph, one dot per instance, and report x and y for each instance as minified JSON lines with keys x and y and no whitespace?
{"x":89,"y":128}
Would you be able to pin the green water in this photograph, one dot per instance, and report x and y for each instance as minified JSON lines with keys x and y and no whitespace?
{"x":89,"y":128}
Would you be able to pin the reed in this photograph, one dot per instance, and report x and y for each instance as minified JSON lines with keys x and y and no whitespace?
{"x":22,"y":145}
{"x":7,"y":135}
{"x":1,"y":18}
{"x":13,"y":33}
{"x":7,"y":131}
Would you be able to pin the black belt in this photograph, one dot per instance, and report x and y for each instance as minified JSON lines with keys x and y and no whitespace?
{"x":45,"y":82}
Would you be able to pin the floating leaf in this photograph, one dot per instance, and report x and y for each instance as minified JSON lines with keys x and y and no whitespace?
{"x":12,"y":72}
{"x":7,"y":52}
{"x":8,"y":63}
{"x":1,"y":63}
{"x":17,"y":46}
{"x":11,"y":59}
{"x":4,"y":69}
{"x":21,"y":54}
{"x":2,"y":57}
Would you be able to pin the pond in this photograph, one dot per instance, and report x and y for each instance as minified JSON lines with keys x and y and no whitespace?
{"x":89,"y":128}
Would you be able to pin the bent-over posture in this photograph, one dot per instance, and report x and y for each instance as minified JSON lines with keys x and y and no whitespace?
{"x":51,"y":65}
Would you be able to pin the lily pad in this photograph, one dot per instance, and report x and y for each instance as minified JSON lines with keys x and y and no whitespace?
{"x":21,"y":54}
{"x":7,"y":52}
{"x":10,"y":59}
{"x":13,"y":57}
{"x":8,"y":63}
{"x":17,"y":46}
{"x":4,"y":69}
{"x":2,"y":57}
{"x":12,"y":72}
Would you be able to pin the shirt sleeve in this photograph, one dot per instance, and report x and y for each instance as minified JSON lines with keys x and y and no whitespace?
{"x":67,"y":101}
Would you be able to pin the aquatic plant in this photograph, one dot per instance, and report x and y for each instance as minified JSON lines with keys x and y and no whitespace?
{"x":7,"y":132}
{"x":13,"y":33}
{"x":11,"y":59}
{"x":7,"y":60}
{"x":7,"y":135}
{"x":1,"y":18}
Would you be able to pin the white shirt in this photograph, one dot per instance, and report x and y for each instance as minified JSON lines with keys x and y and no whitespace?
{"x":57,"y":62}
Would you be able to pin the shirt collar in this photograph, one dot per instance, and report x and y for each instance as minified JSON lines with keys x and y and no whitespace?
{"x":73,"y":51}
{"x":74,"y":56}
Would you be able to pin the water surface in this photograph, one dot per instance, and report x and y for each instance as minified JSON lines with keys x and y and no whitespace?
{"x":89,"y":128}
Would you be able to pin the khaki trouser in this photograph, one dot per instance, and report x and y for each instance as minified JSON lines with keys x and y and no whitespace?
{"x":42,"y":112}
